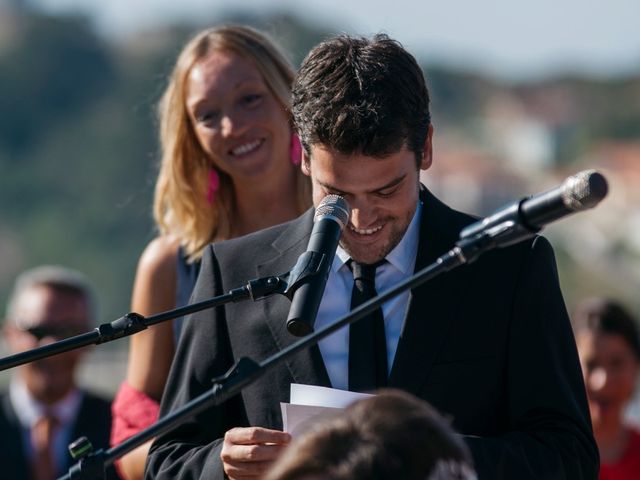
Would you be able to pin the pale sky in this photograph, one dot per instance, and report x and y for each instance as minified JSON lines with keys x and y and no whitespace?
{"x":507,"y":37}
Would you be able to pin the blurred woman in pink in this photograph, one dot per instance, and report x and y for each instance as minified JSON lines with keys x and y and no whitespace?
{"x":609,"y":348}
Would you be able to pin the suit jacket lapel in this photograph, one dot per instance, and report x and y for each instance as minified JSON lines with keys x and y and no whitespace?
{"x":306,"y":367}
{"x":432,"y":306}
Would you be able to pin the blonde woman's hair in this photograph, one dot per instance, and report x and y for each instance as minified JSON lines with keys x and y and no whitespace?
{"x":180,"y":206}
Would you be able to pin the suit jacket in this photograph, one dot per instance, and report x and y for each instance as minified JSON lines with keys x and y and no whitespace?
{"x":93,"y":421}
{"x":488,"y":344}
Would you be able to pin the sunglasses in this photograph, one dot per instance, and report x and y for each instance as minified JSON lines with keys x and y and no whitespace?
{"x":40,"y":332}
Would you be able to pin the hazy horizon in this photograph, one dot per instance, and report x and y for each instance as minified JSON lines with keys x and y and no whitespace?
{"x":499,"y":37}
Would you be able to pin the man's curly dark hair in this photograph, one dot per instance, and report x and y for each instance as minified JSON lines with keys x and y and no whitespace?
{"x":361,"y":96}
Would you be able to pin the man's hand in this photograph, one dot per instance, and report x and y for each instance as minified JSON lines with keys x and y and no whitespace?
{"x":249,"y":451}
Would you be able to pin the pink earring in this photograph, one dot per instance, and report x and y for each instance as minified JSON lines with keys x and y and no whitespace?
{"x":295,"y":150}
{"x":214,"y":184}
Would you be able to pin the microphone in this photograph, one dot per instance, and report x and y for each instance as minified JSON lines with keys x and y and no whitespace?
{"x":527,"y":216}
{"x":309,"y":276}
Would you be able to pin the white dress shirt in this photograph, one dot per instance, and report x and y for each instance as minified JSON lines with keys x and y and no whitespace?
{"x":29,"y":411}
{"x":336,"y":302}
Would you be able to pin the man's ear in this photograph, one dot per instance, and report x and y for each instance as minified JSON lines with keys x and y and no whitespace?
{"x":305,"y":165}
{"x":10,"y":334}
{"x":427,"y":151}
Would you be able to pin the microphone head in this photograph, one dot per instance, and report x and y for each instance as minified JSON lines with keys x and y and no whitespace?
{"x":333,"y":206}
{"x":584,"y":190}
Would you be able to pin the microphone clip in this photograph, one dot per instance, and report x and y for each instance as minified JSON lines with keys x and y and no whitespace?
{"x":506,"y":227}
{"x":259,"y":288}
{"x":308,"y":265}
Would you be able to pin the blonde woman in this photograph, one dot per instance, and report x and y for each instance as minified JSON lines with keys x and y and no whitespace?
{"x":229,"y":167}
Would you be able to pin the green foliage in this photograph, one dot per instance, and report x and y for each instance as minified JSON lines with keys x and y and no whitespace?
{"x":77,"y":155}
{"x":56,"y":68}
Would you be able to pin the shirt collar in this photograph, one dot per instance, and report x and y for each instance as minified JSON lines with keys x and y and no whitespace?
{"x":403,"y":255}
{"x":29,"y":410}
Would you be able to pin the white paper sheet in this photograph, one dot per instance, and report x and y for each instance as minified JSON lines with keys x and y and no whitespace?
{"x":311,"y":404}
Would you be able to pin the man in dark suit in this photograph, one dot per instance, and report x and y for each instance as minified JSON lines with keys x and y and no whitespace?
{"x":44,"y":410}
{"x":488,"y":344}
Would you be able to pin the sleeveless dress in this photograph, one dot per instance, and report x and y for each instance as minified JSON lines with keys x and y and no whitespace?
{"x":133,"y":410}
{"x":186,"y":280}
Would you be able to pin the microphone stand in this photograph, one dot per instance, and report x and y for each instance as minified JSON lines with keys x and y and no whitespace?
{"x":91,"y":465}
{"x":134,"y":322}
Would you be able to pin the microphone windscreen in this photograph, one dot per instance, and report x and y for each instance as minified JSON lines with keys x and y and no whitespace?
{"x":584,"y":190}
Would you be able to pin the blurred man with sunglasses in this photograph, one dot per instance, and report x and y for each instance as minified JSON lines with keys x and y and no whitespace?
{"x":44,"y":409}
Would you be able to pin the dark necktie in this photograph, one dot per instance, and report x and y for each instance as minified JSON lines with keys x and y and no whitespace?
{"x":367,"y":340}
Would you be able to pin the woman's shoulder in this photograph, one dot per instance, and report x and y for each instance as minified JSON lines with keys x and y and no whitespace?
{"x":160,"y":252}
{"x":159,"y":259}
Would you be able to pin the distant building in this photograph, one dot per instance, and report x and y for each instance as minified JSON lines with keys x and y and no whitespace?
{"x":523,"y":141}
{"x":468,"y":176}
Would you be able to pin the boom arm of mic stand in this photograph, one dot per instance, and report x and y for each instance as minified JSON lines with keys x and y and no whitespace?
{"x":133,"y":322}
{"x":93,"y":464}
{"x":246,"y":371}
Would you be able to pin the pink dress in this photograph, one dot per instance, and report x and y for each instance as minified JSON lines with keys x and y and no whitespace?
{"x":628,"y":468}
{"x":132,"y":411}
